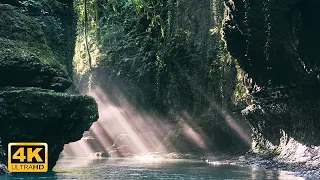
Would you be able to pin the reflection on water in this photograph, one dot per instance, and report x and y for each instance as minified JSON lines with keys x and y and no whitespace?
{"x":104,"y":168}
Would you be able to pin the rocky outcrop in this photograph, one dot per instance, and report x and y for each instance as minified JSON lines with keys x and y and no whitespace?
{"x":275,"y":43}
{"x":36,"y":51}
{"x":36,"y":115}
{"x":28,"y":57}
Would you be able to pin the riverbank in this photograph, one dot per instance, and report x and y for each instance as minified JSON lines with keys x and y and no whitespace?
{"x":299,"y":169}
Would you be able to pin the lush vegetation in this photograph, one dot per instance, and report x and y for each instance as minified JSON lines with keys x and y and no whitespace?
{"x":165,"y":56}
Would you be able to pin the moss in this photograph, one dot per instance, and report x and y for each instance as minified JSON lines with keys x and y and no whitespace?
{"x":38,"y":115}
{"x":166,"y":58}
{"x":36,"y":49}
{"x":21,"y":35}
{"x":43,"y":55}
{"x":18,"y":26}
{"x":64,"y":171}
{"x":260,"y":149}
{"x":240,"y":91}
{"x":25,"y":56}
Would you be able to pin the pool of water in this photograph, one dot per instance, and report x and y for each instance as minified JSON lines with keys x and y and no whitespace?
{"x":113,"y":169}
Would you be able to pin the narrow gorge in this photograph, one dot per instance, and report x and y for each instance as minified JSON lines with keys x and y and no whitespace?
{"x":228,"y":81}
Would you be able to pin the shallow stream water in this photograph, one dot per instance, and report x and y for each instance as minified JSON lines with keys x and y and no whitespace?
{"x":113,"y":169}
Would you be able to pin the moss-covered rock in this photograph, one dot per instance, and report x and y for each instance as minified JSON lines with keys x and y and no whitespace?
{"x":36,"y":115}
{"x":276,"y":44}
{"x":36,"y":50}
{"x":26,"y":57}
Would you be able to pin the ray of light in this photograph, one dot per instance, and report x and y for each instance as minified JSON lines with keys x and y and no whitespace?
{"x":120,"y":128}
{"x":233,"y":124}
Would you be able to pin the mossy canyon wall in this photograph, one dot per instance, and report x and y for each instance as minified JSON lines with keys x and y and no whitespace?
{"x":167,"y":57}
{"x":275,"y":43}
{"x":172,"y":56}
{"x":37,"y":40}
{"x":215,"y":63}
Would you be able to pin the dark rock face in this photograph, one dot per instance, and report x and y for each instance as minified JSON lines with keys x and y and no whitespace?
{"x":293,"y":110}
{"x":275,"y":43}
{"x":35,"y":115}
{"x":36,"y":51}
{"x":33,"y":46}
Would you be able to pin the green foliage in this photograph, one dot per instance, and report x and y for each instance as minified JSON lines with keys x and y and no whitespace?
{"x":164,"y":57}
{"x":30,"y":3}
{"x":28,"y":43}
{"x":240,"y":91}
{"x":142,"y":45}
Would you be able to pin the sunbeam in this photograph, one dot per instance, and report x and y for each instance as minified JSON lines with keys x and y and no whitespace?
{"x":232,"y":123}
{"x":120,"y":130}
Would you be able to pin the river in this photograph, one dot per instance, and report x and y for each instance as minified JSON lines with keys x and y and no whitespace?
{"x":113,"y":169}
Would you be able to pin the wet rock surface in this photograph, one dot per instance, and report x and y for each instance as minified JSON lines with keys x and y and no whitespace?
{"x":275,"y":44}
{"x":36,"y":115}
{"x":37,"y":40}
{"x":299,"y":169}
{"x":3,"y":169}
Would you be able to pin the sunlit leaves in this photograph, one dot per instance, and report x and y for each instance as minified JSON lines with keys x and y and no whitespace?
{"x":30,"y":3}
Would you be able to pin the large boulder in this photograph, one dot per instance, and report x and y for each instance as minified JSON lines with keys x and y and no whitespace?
{"x":37,"y":40}
{"x":36,"y":115}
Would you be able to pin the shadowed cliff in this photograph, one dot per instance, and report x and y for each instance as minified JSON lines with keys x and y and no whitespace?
{"x":276,"y":44}
{"x":36,"y":50}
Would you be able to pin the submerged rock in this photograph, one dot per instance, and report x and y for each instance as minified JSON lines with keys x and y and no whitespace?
{"x":99,"y":154}
{"x":3,"y":169}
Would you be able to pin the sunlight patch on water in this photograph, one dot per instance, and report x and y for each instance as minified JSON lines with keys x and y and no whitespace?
{"x":148,"y":158}
{"x":131,"y":168}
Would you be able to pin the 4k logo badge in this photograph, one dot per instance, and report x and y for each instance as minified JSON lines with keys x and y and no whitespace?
{"x":28,"y":157}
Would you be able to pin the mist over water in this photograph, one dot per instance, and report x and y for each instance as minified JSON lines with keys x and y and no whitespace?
{"x":122,"y":130}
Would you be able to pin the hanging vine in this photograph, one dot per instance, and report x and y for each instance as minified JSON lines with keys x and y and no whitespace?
{"x":86,"y":34}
